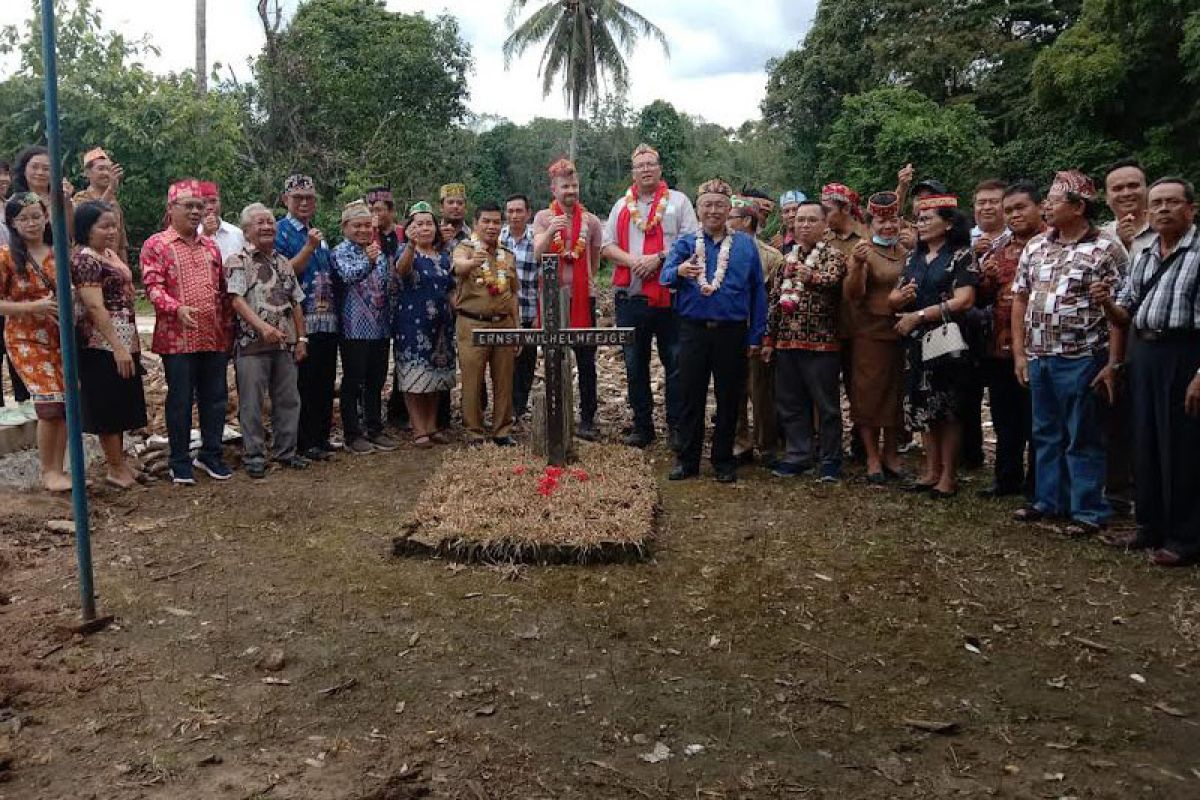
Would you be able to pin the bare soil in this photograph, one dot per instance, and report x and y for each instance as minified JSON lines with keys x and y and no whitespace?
{"x":800,"y":634}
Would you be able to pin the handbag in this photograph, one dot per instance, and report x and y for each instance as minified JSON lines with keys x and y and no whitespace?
{"x":944,"y":344}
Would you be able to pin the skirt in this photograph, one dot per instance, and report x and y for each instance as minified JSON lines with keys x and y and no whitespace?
{"x":933,"y":393}
{"x":877,"y":383}
{"x":110,"y":403}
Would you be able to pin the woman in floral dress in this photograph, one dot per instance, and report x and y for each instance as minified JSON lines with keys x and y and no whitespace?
{"x":422,"y":323}
{"x":27,"y":299}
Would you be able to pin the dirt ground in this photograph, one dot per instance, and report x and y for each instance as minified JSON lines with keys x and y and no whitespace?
{"x":781,"y":643}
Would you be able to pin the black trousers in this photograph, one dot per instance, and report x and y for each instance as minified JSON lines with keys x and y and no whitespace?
{"x":364,"y":373}
{"x":970,"y":414}
{"x":1012,"y":417}
{"x":20,"y":393}
{"x":585,"y":363}
{"x":318,"y":372}
{"x":526,"y":366}
{"x":1167,"y":443}
{"x":716,"y":350}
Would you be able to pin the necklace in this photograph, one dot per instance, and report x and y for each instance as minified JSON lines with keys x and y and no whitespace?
{"x":707,"y":287}
{"x":496,"y":280}
{"x":791,"y":287}
{"x":557,"y":243}
{"x":657,"y":209}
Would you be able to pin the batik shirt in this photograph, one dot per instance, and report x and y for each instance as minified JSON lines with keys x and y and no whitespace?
{"x":813,"y":325}
{"x":527,"y":271}
{"x":319,"y":279}
{"x":1061,"y":319}
{"x":186,"y":272}
{"x":269,"y":286}
{"x":365,"y":309}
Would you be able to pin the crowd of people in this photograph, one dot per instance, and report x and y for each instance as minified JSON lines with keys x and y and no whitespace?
{"x":1086,"y":339}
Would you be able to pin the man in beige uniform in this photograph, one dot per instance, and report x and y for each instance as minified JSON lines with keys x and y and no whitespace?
{"x":486,"y":297}
{"x":760,"y":382}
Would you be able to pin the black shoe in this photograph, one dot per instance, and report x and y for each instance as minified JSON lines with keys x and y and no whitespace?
{"x":995,"y":492}
{"x":317,"y":454}
{"x":294,"y":462}
{"x":256,"y":469}
{"x":681,"y":472}
{"x":638,"y":439}
{"x":586,"y":430}
{"x":505,"y":441}
{"x":727,"y":476}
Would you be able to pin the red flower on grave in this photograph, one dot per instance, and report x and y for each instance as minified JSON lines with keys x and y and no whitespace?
{"x":519,"y":469}
{"x":553,"y":472}
{"x":579,"y":475}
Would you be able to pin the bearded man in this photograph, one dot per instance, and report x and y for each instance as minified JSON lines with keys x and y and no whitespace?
{"x":641,"y":229}
{"x":573,"y":233}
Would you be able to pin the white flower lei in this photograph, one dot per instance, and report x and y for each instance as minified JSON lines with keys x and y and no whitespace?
{"x":656,"y":213}
{"x":706,"y":287}
{"x":500,"y":280}
{"x":790,"y":288}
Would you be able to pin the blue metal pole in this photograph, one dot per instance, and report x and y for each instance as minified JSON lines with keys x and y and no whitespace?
{"x":66,"y":318}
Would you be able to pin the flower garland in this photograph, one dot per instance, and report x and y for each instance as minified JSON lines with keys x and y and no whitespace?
{"x":558,"y":245}
{"x":709,"y":287}
{"x":496,"y":282}
{"x":790,"y":287}
{"x":656,"y":212}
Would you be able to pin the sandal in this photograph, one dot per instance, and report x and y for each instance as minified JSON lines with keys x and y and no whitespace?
{"x":1125,"y":540}
{"x":1078,"y":529}
{"x":1170,"y":558}
{"x":438,"y":437}
{"x":1029,"y":514}
{"x":423,"y":442}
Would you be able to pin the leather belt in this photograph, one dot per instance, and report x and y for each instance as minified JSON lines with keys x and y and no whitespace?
{"x":483,"y":317}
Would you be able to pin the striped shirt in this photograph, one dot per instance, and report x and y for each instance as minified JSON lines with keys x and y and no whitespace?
{"x":1172,"y":303}
{"x":527,"y":271}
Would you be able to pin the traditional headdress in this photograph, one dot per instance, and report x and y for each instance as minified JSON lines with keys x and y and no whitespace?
{"x":92,"y":155}
{"x":209,"y":189}
{"x":936,"y":201}
{"x":839,"y":192}
{"x":561,"y":169}
{"x":452,"y":190}
{"x":379,"y":193}
{"x":883,"y":205}
{"x":715,"y":186}
{"x":184,"y":190}
{"x":1072,"y":181}
{"x":739,"y":201}
{"x":792,"y":197}
{"x":355,"y":209}
{"x":420,"y":207}
{"x":643,"y":149}
{"x":298,"y":183}
{"x":26,"y":199}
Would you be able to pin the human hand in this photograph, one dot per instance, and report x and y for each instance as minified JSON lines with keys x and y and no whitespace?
{"x":185,"y":314}
{"x":1105,"y":384}
{"x":1127,"y":229}
{"x":373,"y":251}
{"x":983,"y":244}
{"x":777,"y":241}
{"x":1191,"y":400}
{"x":68,"y":189}
{"x":211,"y":224}
{"x":118,"y":174}
{"x":908,"y":292}
{"x":907,"y":323}
{"x":753,"y":351}
{"x":1100,"y":293}
{"x":559,"y":223}
{"x":124,"y":360}
{"x":765,"y":353}
{"x":447,"y":231}
{"x":690,"y":269}
{"x":46,"y":307}
{"x":301,"y":351}
{"x":905,"y":176}
{"x":315,"y":237}
{"x":860,"y":253}
{"x":1021,"y":368}
{"x":272,"y":335}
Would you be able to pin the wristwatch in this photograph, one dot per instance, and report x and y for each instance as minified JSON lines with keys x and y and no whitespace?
{"x":303,"y":339}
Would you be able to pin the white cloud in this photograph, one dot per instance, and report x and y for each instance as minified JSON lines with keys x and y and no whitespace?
{"x":716,"y":69}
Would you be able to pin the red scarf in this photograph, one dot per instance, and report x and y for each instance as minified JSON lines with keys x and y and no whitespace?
{"x":657,"y":295}
{"x":581,"y":301}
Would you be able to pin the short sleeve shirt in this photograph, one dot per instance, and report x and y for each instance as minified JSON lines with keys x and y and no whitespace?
{"x":269,"y":285}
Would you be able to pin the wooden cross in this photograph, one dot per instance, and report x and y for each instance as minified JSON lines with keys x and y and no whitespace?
{"x":554,"y":339}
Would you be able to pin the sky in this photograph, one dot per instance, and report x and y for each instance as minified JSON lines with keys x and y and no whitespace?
{"x":716,"y":69}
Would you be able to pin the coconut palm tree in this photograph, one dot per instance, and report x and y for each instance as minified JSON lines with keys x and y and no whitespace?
{"x":585,"y":41}
{"x":201,"y":47}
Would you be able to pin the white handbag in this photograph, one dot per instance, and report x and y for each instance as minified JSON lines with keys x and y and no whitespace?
{"x":944,"y":344}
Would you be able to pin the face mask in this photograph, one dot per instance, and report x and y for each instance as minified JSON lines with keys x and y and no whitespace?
{"x":882,"y":242}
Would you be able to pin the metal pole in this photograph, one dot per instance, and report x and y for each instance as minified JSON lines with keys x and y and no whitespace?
{"x":66,"y":318}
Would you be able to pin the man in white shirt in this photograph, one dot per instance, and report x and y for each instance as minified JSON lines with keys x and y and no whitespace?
{"x":229,"y":238}
{"x":1126,"y":194}
{"x":641,"y":229}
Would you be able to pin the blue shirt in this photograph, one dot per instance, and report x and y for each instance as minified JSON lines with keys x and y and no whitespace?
{"x":742,"y":296}
{"x":319,"y":279}
{"x":366,"y":313}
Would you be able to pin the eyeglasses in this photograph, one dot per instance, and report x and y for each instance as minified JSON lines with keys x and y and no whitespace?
{"x":1168,"y":202}
{"x":190,"y":205}
{"x":646,"y":167}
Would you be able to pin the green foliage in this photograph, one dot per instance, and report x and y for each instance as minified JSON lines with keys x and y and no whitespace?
{"x":884,"y":128}
{"x":662,"y":127}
